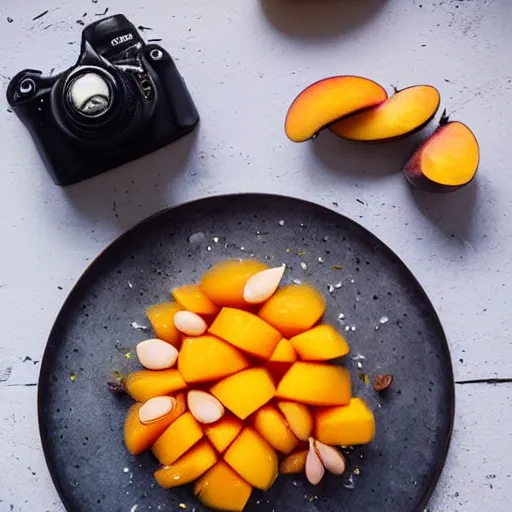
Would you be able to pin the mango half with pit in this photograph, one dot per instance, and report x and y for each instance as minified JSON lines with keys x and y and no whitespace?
{"x":264,"y":369}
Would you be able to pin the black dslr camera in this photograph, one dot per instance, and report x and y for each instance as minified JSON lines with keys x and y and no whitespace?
{"x":121,"y":100}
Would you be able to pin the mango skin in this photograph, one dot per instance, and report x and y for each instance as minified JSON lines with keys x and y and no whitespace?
{"x":348,"y":425}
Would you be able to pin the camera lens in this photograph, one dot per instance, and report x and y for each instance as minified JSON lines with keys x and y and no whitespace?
{"x":99,"y":106}
{"x":90,"y":95}
{"x":27,"y":86}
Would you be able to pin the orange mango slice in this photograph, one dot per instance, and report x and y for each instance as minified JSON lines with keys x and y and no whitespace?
{"x":192,"y":298}
{"x":293,"y":309}
{"x":348,"y":425}
{"x":221,"y":488}
{"x":224,"y":283}
{"x":246,"y":331}
{"x":161,"y":318}
{"x":272,"y":426}
{"x":208,"y":358}
{"x":320,"y":343}
{"x":139,"y":437}
{"x":187,"y":468}
{"x":179,"y":437}
{"x":253,"y":459}
{"x":245,"y":392}
{"x":146,"y":384}
{"x":294,"y":463}
{"x":222,"y":433}
{"x":284,"y":352}
{"x":316,"y":384}
{"x":298,"y":417}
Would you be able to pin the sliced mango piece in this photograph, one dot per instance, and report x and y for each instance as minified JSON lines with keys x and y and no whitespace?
{"x":327,"y":100}
{"x":298,"y":417}
{"x":224,"y":283}
{"x":139,"y":437}
{"x":245,"y":392}
{"x":294,"y":463}
{"x":192,"y":298}
{"x":161,"y":318}
{"x":179,"y":437}
{"x":316,"y":384}
{"x":208,"y":358}
{"x":447,"y":161}
{"x":246,"y":331}
{"x":293,"y":309}
{"x":272,"y":426}
{"x":223,"y":489}
{"x":253,"y":459}
{"x":406,"y":112}
{"x":222,"y":433}
{"x":189,"y":467}
{"x":320,"y":343}
{"x":348,"y":425}
{"x":284,"y":352}
{"x":146,"y":384}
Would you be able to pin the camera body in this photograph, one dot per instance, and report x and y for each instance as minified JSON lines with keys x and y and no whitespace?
{"x":121,"y":100}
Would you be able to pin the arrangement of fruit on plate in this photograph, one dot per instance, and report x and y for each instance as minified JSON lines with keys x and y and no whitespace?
{"x":359,"y":109}
{"x":238,"y":386}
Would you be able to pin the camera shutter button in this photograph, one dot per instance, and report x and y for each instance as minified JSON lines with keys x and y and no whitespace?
{"x":90,"y":95}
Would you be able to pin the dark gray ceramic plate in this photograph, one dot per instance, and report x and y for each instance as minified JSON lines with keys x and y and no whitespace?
{"x":390,"y":321}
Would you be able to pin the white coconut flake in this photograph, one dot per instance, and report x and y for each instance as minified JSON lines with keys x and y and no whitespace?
{"x":134,"y":508}
{"x":126,"y":470}
{"x":341,"y":316}
{"x":209,"y":248}
{"x":352,"y":281}
{"x":384,"y":320}
{"x":347,"y":328}
{"x":216,"y":239}
{"x":130,"y":285}
{"x":281,"y":222}
{"x":139,"y":327}
{"x":353,"y":328}
{"x":338,"y":285}
{"x":330,"y":288}
{"x":358,"y":357}
{"x":296,"y":281}
{"x":359,"y":364}
{"x":303,"y":265}
{"x":320,"y":259}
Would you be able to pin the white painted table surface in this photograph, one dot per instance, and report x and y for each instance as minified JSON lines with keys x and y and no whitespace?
{"x":244,"y":61}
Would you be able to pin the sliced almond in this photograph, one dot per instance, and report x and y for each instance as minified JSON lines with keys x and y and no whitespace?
{"x":156,"y":354}
{"x":331,"y":458}
{"x":204,"y":407}
{"x":189,"y":323}
{"x":263,"y":285}
{"x":156,"y":408}
{"x":314,"y":467}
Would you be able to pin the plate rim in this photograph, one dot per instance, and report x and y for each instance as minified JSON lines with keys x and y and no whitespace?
{"x":50,"y":347}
